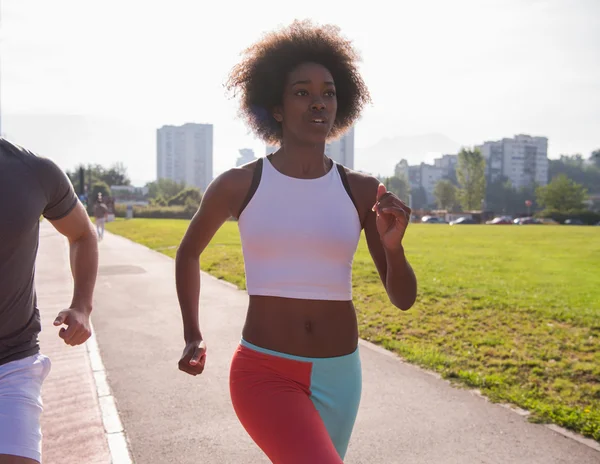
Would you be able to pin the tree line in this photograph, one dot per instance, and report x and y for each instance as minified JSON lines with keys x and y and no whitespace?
{"x":162,"y":193}
{"x":97,"y":178}
{"x":572,"y":179}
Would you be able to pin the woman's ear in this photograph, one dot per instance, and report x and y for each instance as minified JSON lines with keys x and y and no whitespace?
{"x":277,"y":114}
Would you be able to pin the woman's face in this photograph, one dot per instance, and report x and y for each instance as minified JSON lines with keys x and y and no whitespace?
{"x":309,"y":104}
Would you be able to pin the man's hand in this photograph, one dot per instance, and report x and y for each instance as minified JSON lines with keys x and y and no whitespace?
{"x":78,"y":326}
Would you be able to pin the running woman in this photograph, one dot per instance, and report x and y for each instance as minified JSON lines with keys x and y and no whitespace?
{"x":295,"y":379}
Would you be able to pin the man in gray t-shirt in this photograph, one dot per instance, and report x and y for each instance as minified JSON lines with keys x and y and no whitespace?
{"x":31,"y":187}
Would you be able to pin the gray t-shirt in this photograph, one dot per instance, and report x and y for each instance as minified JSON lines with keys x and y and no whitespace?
{"x":30,"y":186}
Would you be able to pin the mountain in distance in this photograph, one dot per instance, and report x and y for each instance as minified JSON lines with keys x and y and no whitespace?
{"x":381,"y":158}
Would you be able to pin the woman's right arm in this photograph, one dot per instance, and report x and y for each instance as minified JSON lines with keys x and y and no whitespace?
{"x":215,"y":208}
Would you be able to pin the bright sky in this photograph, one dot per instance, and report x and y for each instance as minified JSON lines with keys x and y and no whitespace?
{"x":472,"y":70}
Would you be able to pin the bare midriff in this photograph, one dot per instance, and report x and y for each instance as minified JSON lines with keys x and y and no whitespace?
{"x":309,"y":328}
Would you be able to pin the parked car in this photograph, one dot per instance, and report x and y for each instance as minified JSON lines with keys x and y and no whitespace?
{"x":574,"y":222}
{"x":500,"y":220}
{"x":463,"y":220}
{"x":433,"y":220}
{"x":527,"y":220}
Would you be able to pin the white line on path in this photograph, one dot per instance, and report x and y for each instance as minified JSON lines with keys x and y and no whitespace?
{"x":115,"y":434}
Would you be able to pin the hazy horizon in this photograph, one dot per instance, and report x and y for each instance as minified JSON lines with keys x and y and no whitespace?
{"x":468,"y":71}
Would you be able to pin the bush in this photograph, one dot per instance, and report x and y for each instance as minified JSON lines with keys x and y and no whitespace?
{"x":158,"y":201}
{"x":189,"y":196}
{"x":586,"y":216}
{"x":158,"y":212}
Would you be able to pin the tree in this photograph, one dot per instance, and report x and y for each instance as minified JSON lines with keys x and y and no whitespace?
{"x":502,"y":197}
{"x":595,"y":158}
{"x":499,"y":195}
{"x":451,"y":176}
{"x":575,"y":168}
{"x":158,"y":201}
{"x":419,"y":198}
{"x":562,"y":195}
{"x":470,"y":173}
{"x":189,"y":196}
{"x":165,"y":188}
{"x":115,"y":175}
{"x":98,"y":187}
{"x":399,"y":186}
{"x":92,"y":174}
{"x":445,"y":194}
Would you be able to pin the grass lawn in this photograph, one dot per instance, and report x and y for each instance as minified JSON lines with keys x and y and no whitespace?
{"x":511,"y":310}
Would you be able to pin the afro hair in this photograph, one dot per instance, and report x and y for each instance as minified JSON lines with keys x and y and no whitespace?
{"x":261,"y":75}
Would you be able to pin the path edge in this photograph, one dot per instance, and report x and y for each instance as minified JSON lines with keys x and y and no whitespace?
{"x":113,"y":427}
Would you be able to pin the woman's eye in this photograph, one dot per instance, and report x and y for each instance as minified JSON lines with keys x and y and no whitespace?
{"x":301,"y":93}
{"x":330,"y":93}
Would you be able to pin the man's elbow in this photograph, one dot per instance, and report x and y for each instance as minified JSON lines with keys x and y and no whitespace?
{"x":85,"y":236}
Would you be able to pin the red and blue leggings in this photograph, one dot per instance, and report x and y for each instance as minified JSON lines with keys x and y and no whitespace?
{"x":297,"y":410}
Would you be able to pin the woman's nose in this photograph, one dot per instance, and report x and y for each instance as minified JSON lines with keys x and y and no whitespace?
{"x":318,"y":105}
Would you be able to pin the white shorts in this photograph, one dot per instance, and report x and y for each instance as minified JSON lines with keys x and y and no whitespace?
{"x":21,"y":406}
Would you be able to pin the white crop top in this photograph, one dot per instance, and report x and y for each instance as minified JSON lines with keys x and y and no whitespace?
{"x":299,"y":236}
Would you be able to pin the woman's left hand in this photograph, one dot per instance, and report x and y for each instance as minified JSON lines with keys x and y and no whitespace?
{"x":393,"y":217}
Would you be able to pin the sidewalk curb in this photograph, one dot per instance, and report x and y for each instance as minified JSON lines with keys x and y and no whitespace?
{"x":115,"y":434}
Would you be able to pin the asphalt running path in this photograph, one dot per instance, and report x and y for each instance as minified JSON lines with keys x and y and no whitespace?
{"x":407,"y":415}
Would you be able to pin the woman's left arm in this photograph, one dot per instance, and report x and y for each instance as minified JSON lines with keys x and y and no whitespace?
{"x":385,"y":225}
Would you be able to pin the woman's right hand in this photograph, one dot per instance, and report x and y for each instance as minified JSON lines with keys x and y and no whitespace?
{"x":193,"y":357}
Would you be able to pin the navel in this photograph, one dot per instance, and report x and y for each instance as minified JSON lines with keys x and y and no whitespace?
{"x":308,"y":327}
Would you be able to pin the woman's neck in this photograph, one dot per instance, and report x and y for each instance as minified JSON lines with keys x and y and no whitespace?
{"x":303,"y":161}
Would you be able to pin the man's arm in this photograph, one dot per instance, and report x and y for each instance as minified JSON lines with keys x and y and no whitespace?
{"x":78,"y":229}
{"x":66,"y":213}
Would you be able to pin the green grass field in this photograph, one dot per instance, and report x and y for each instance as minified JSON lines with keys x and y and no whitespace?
{"x":511,"y":310}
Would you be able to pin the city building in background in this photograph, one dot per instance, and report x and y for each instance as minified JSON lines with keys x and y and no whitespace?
{"x":447,"y":163}
{"x":523,"y":160}
{"x":428,"y":175}
{"x":185,"y":154}
{"x":340,"y":150}
{"x":246,"y":156}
